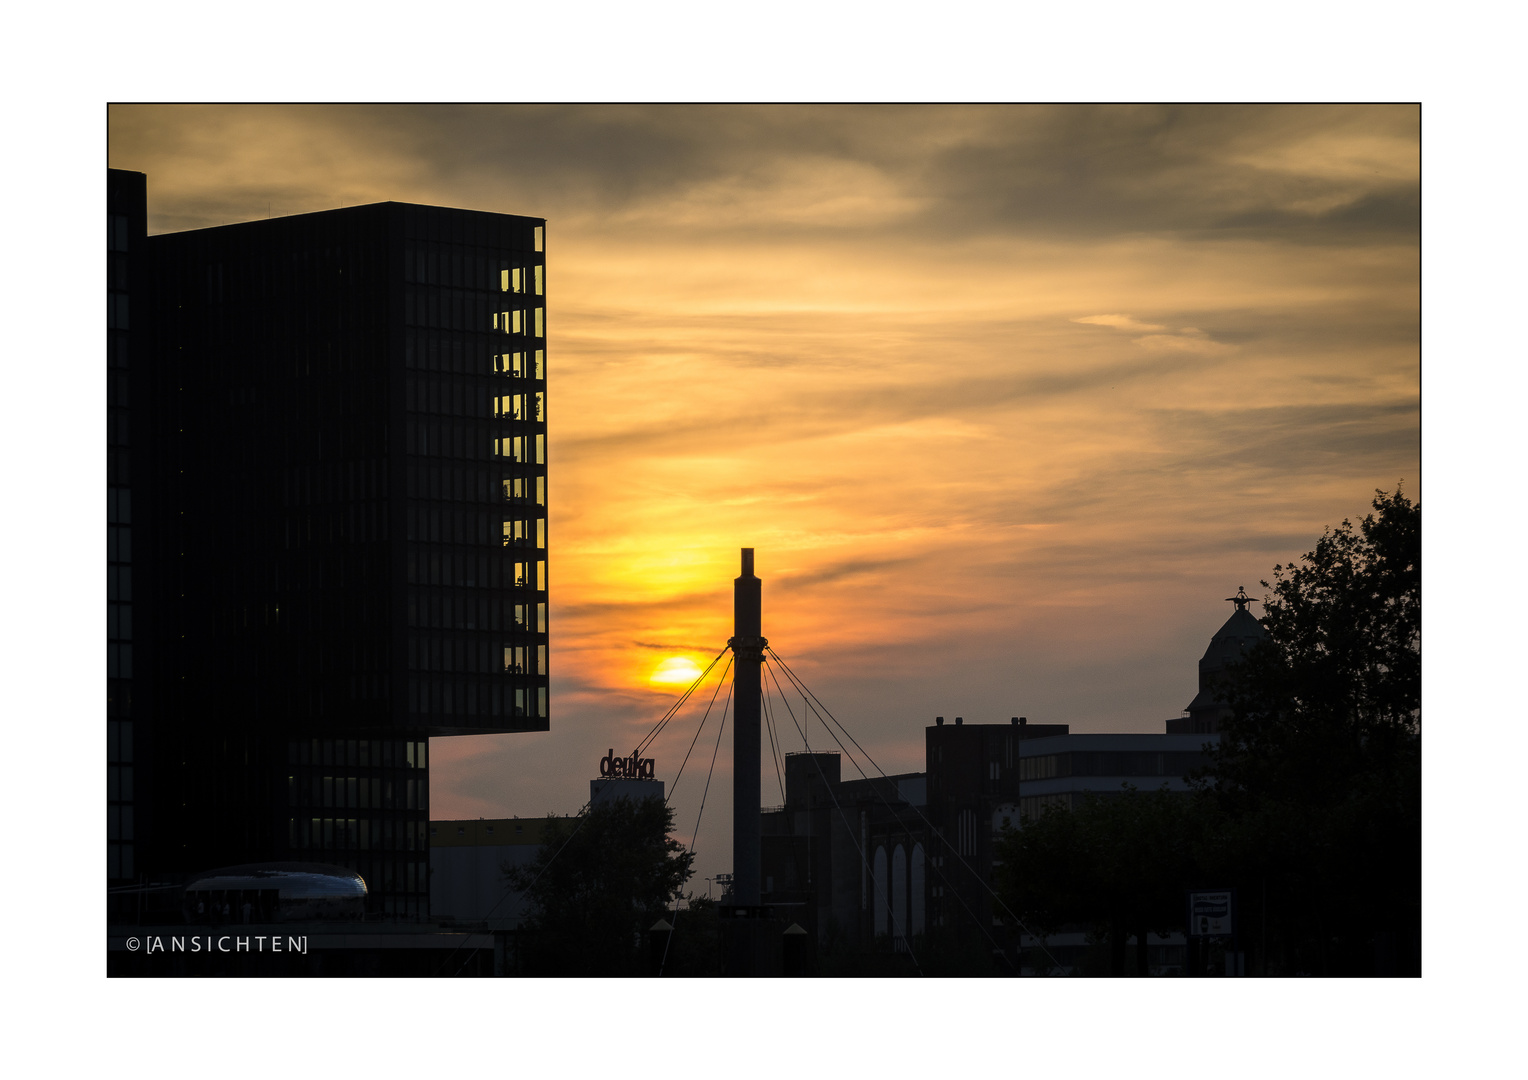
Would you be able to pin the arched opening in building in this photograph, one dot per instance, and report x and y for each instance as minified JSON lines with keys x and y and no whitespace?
{"x":917,"y":890}
{"x":880,"y":891}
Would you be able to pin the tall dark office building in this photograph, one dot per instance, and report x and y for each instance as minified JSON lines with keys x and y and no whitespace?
{"x":348,"y":462}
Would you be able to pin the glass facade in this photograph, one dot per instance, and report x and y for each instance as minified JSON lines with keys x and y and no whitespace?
{"x":476,"y":525}
{"x":363,"y":803}
{"x":349,"y":438}
{"x":1163,"y":763}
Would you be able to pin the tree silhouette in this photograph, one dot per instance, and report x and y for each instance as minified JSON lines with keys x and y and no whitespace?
{"x":598,"y":883}
{"x":1311,"y":803}
{"x":1116,"y":863}
{"x":1335,"y":689}
{"x":1320,"y":764}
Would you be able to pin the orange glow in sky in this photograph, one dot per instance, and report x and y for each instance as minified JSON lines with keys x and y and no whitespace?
{"x":1006,"y":399}
{"x":675,"y":673}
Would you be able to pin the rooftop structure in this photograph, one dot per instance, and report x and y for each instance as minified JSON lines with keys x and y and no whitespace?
{"x":1229,"y":644}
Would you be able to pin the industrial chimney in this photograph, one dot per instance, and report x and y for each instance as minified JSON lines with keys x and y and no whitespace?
{"x":748,"y":644}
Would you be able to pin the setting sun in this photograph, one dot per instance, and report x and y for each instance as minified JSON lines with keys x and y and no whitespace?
{"x":1007,"y":399}
{"x":675,"y":671}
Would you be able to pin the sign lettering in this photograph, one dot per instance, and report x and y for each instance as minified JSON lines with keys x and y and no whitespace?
{"x":627,"y":768}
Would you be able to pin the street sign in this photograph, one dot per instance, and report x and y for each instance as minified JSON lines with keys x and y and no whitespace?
{"x":1211,"y":913}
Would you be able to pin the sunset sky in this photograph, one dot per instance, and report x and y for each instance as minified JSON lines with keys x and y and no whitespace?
{"x":1006,"y":399}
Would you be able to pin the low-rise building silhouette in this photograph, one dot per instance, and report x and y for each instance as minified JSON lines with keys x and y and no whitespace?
{"x":879,"y":863}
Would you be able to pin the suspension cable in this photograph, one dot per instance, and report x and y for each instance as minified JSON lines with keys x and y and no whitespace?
{"x":975,"y":919}
{"x":580,"y":817}
{"x":799,"y":684}
{"x":702,"y":727}
{"x":695,"y":836}
{"x":891,"y":910}
{"x":902,"y":824}
{"x":674,"y":708}
{"x":769,"y":725}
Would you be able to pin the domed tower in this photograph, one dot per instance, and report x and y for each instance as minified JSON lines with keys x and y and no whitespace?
{"x":1230,"y":643}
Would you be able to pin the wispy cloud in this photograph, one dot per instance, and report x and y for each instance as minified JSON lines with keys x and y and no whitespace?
{"x":1120,"y":322}
{"x":672,"y":647}
{"x":1005,"y":398}
{"x":1188,"y":339}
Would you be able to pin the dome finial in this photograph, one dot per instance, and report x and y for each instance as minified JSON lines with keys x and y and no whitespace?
{"x":1241,"y":599}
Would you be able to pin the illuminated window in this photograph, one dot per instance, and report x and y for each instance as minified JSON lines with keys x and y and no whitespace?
{"x":540,"y":281}
{"x":540,"y":238}
{"x":513,"y":448}
{"x":517,"y":533}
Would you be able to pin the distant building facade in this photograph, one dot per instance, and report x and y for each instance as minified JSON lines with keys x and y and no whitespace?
{"x":468,"y":859}
{"x":891,"y":859}
{"x":879,"y":863}
{"x":604,"y":788}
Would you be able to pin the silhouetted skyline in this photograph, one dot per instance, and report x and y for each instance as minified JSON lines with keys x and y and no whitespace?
{"x":1006,"y":399}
